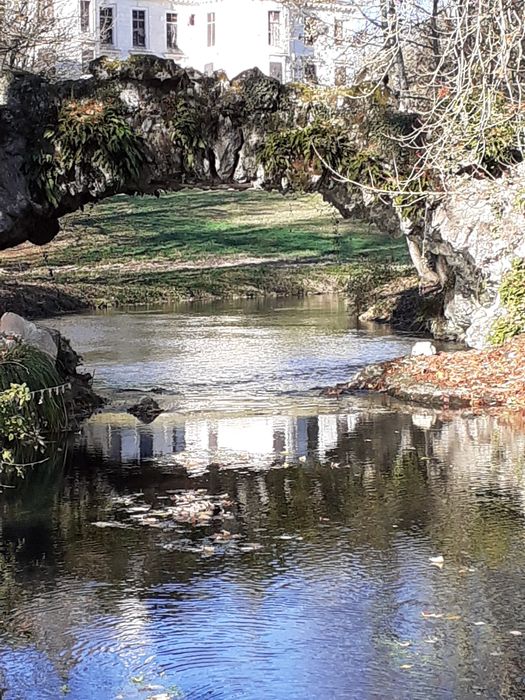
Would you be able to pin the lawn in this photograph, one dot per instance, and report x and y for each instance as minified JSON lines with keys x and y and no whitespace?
{"x":198,"y":243}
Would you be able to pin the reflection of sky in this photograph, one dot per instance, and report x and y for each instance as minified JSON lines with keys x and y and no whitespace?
{"x":326,"y":622}
{"x":304,"y":635}
{"x":320,"y":618}
{"x":230,"y":357}
{"x":323,"y":617}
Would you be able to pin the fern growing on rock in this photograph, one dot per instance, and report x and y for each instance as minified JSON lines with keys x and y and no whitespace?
{"x":91,"y":142}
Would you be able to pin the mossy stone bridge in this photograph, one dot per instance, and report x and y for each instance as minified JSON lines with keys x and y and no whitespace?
{"x":146,"y":125}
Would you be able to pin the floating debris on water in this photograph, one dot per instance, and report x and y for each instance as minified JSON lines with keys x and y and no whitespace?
{"x":113,"y":523}
{"x":194,"y":507}
{"x":250,"y":547}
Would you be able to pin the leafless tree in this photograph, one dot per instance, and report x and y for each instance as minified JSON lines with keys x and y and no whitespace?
{"x":458,"y":63}
{"x":41,"y":36}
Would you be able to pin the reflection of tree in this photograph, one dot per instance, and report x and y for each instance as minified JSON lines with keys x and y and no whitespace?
{"x":393,"y":492}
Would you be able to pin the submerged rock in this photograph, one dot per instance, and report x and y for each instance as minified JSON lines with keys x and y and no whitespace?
{"x":146,"y":410}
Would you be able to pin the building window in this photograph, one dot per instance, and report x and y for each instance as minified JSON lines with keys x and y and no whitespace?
{"x":139,"y":29}
{"x":191,"y":21}
{"x":85,"y":11}
{"x":107,"y":24}
{"x":274,"y":28}
{"x":340,"y":75}
{"x":44,"y":10}
{"x":171,"y":30}
{"x":338,"y":31}
{"x":310,"y":72}
{"x":276,"y":70}
{"x":211,"y":28}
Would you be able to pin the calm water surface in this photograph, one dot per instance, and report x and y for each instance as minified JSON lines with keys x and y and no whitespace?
{"x":332,"y":589}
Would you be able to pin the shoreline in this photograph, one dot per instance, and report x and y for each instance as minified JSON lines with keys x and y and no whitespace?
{"x":37,"y":298}
{"x":465,"y":379}
{"x":40,"y":300}
{"x":194,"y":245}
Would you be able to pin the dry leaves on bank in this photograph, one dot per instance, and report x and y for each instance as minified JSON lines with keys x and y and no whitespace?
{"x":493,"y":377}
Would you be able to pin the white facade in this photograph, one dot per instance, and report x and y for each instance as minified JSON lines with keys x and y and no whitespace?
{"x":221,"y":35}
{"x":321,"y":43}
{"x":209,"y":35}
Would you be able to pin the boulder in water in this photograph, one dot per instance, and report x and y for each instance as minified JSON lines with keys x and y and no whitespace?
{"x":146,"y":410}
{"x":423,"y":347}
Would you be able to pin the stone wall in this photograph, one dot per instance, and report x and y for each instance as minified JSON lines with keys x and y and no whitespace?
{"x":478,"y":230}
{"x":209,"y":131}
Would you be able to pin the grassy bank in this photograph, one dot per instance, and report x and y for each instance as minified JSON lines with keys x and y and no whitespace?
{"x":201,"y":244}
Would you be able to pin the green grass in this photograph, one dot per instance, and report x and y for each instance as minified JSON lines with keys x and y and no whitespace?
{"x":205,"y":243}
{"x":192,"y":225}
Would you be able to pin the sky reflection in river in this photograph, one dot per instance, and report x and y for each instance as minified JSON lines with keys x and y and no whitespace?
{"x":237,"y":356}
{"x":348,"y":503}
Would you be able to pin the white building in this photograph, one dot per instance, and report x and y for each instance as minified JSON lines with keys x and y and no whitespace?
{"x":321,"y":43}
{"x":228,"y":35}
{"x":209,"y":35}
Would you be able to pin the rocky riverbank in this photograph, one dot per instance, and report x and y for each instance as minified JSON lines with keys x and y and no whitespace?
{"x":478,"y":379}
{"x":43,"y":360}
{"x":42,"y":299}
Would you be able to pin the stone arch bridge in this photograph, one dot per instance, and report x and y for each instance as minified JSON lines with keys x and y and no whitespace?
{"x":146,"y":125}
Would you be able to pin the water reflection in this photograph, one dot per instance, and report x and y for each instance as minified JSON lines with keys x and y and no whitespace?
{"x":340,"y":602}
{"x":347,"y":500}
{"x":256,"y":440}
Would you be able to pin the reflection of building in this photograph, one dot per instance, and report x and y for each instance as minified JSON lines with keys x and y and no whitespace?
{"x":122,"y":438}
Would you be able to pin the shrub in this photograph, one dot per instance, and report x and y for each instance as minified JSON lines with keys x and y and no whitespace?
{"x":512,"y":295}
{"x":18,"y":424}
{"x":24,"y":365}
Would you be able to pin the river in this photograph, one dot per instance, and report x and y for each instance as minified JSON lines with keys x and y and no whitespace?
{"x":363,"y":549}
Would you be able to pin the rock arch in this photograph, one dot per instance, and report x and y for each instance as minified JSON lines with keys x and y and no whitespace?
{"x":188,"y":129}
{"x":146,"y":125}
